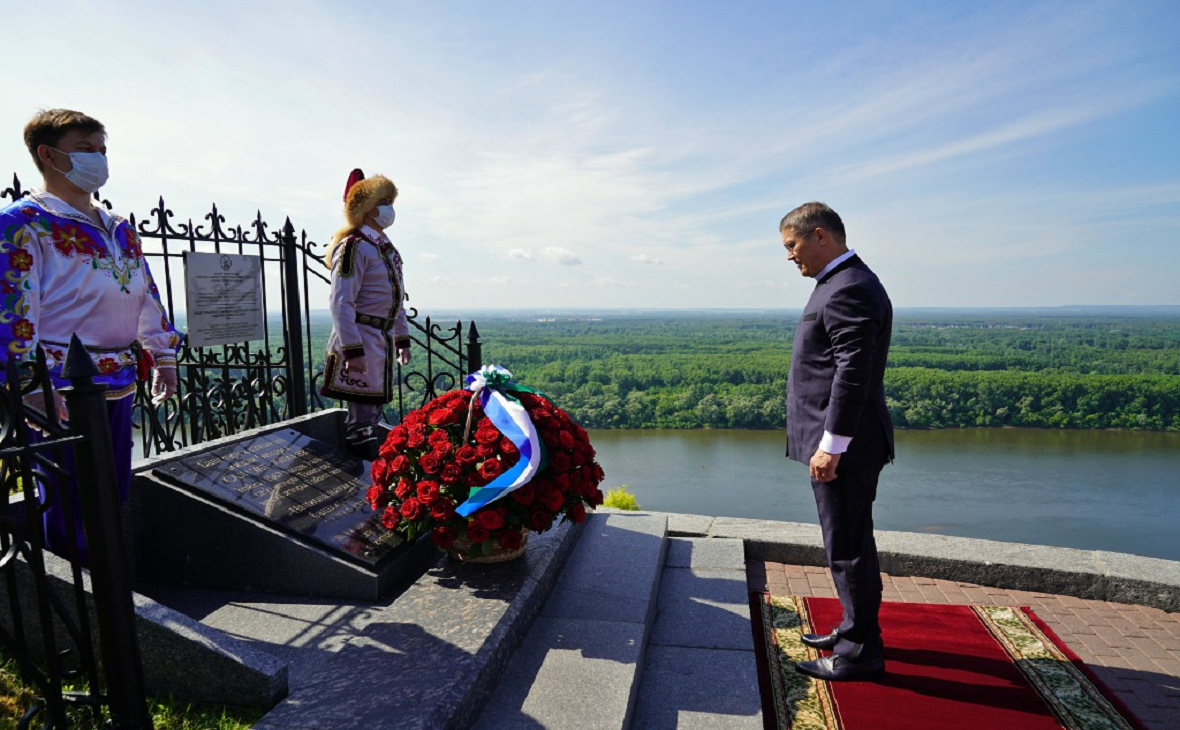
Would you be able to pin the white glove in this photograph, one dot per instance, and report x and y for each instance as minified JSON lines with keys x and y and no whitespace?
{"x":403,"y":355}
{"x":163,"y":384}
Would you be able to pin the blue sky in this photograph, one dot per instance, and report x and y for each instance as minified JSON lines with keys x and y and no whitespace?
{"x":641,"y":154}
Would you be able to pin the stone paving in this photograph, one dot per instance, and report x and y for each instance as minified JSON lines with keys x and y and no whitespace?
{"x":1135,"y":650}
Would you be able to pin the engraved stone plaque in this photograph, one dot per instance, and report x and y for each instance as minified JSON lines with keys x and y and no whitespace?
{"x":297,"y":483}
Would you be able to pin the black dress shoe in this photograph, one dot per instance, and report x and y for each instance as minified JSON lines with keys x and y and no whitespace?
{"x":365,"y":450}
{"x":836,"y":668}
{"x":825,"y":642}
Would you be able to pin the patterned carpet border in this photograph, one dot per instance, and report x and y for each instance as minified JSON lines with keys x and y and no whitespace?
{"x":1071,"y":691}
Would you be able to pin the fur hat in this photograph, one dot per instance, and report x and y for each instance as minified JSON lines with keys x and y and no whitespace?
{"x":362,"y":193}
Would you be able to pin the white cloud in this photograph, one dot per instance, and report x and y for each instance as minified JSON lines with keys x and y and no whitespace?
{"x":558,"y":255}
{"x":643,"y":258}
{"x":426,"y":256}
{"x":549,"y":254}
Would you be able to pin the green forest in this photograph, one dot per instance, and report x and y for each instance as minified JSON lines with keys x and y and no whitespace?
{"x":1060,"y":368}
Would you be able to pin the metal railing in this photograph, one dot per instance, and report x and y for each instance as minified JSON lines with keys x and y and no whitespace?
{"x":46,"y":629}
{"x":230,"y":388}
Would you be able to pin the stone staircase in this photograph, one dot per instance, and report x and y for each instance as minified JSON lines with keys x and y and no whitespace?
{"x":641,"y":630}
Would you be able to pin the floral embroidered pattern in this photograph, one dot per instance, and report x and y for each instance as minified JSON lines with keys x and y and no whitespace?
{"x":70,"y":239}
{"x":24,"y":329}
{"x":1074,"y":699}
{"x":21,"y":260}
{"x":800,"y":702}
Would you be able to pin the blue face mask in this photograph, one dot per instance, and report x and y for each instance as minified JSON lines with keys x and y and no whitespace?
{"x":89,"y":170}
{"x":385,"y":216}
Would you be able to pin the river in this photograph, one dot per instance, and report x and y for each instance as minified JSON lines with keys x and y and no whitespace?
{"x":1094,"y":490}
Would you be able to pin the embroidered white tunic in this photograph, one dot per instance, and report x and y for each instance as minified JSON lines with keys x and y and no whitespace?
{"x":366,"y":304}
{"x":62,"y":274}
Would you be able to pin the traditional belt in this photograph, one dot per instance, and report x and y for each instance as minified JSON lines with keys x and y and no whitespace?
{"x":382,"y":323}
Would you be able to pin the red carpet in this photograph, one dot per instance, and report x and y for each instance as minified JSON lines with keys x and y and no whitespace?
{"x":946,"y":667}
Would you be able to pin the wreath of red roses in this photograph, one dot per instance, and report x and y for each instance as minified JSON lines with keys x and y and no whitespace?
{"x":426,"y":469}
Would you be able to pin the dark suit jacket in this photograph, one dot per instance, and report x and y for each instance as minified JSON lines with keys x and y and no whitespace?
{"x":838,"y":368}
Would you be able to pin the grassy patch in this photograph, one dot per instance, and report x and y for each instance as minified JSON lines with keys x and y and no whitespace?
{"x":167,"y":714}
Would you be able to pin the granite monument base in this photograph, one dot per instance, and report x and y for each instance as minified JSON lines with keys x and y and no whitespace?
{"x":278,"y":509}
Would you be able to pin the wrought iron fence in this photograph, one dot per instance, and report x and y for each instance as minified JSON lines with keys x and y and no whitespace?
{"x":46,"y":629}
{"x":230,"y":388}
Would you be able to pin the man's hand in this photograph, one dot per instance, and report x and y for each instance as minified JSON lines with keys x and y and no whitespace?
{"x":355,"y":365}
{"x":163,"y":384}
{"x":37,"y":400}
{"x":823,"y":465}
{"x":403,"y":355}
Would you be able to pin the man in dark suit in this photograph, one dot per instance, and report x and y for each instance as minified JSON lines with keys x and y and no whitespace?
{"x":838,"y":424}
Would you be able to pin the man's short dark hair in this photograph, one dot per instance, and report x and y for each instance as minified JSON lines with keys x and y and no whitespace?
{"x":48,"y":126}
{"x":809,"y":216}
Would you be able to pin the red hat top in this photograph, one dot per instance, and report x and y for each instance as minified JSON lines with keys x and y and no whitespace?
{"x":353,"y":178}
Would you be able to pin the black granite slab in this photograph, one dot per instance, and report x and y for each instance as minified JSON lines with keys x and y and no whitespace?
{"x":296,"y":483}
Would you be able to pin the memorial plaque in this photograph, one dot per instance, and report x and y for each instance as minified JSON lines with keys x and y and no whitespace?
{"x":304,"y":486}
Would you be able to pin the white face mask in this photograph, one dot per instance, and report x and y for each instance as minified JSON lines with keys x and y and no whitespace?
{"x":384,"y":217}
{"x":89,"y":171}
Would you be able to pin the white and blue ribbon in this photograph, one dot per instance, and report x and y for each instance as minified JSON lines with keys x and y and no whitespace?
{"x":512,"y":420}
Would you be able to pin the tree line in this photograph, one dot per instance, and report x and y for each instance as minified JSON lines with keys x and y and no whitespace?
{"x":946,"y":369}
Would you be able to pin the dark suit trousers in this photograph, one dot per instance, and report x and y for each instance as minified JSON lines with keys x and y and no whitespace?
{"x":846,"y":519}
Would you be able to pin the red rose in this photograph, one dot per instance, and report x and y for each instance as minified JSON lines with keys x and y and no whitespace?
{"x":578,"y":458}
{"x":490,"y":469}
{"x":597,"y":497}
{"x":443,"y":449}
{"x":390,"y":518}
{"x":414,"y":418}
{"x":551,"y":438}
{"x":377,"y":497}
{"x":559,"y":462}
{"x":525,"y":495}
{"x":399,"y":464}
{"x":491,"y":519}
{"x":577,"y":513}
{"x":598,"y":473}
{"x":563,"y":483}
{"x":380,"y":472}
{"x":430,"y":462}
{"x":403,"y":489}
{"x":473,"y":479}
{"x":567,"y":440}
{"x":511,"y":540}
{"x":444,"y":537}
{"x":439,"y":436}
{"x":540,"y":520}
{"x":477,"y":532}
{"x":485,"y":451}
{"x":443,"y":509}
{"x":450,"y":473}
{"x":507,"y":447}
{"x":466,"y":455}
{"x":443,"y":417}
{"x":411,"y":508}
{"x":552,"y":499}
{"x":417,"y":436}
{"x":398,"y":436}
{"x":427,"y":492}
{"x":487,"y":435}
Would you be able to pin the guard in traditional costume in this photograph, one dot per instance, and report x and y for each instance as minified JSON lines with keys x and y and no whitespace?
{"x":70,"y":267}
{"x":369,"y":328}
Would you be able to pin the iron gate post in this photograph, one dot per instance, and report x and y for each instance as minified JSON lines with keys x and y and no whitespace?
{"x":293,"y":323}
{"x":103,"y":524}
{"x":474,"y":350}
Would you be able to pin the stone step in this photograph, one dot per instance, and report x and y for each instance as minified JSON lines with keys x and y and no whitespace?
{"x":580,"y":665}
{"x":701,"y":670}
